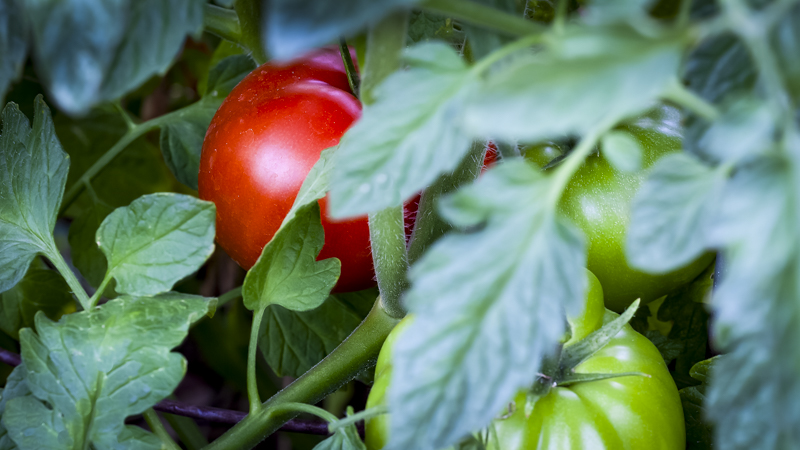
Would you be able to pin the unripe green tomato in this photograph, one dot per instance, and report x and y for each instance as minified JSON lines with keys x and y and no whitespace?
{"x":598,"y":200}
{"x":629,"y":412}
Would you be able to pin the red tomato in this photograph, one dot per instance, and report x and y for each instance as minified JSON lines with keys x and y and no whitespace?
{"x":260,"y":146}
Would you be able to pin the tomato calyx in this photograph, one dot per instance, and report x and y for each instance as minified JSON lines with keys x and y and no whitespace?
{"x":559,"y":369}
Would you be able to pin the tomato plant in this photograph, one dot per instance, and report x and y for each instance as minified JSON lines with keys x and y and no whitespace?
{"x":640,"y":409}
{"x":598,"y":200}
{"x":208,"y":212}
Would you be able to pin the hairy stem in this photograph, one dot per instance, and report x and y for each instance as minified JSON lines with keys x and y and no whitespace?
{"x":189,"y":433}
{"x":385,"y":42}
{"x":679,"y":94}
{"x":222,"y":22}
{"x":358,"y":352}
{"x":252,"y":381}
{"x":483,"y":16}
{"x":429,"y":226}
{"x":152,"y":419}
{"x":249,"y":13}
{"x":61,"y":265}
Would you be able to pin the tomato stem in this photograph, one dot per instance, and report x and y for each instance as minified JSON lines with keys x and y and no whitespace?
{"x":429,"y":226}
{"x":679,"y":94}
{"x":358,"y":352}
{"x":249,"y":14}
{"x":61,"y":265}
{"x":574,"y":161}
{"x":306,"y":408}
{"x":222,"y":22}
{"x":252,"y":382}
{"x":483,"y":16}
{"x":385,"y":43}
{"x":358,"y":417}
{"x":152,"y":419}
{"x":349,"y":68}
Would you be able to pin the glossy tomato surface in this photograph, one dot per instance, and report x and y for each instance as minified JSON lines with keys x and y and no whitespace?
{"x":598,"y":200}
{"x":260,"y":146}
{"x":629,"y":412}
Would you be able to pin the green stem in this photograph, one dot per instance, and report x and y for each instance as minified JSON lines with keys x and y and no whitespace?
{"x":228,"y":296}
{"x":679,"y":94}
{"x":252,"y":381}
{"x":486,"y":62}
{"x":187,"y":430}
{"x":388,"y":240}
{"x":560,"y":19}
{"x":222,"y":22}
{"x":429,"y":226}
{"x":152,"y":419}
{"x":305,"y":408}
{"x":574,"y":161}
{"x":385,"y":43}
{"x":99,"y":292}
{"x":349,"y":67}
{"x":358,"y":352}
{"x":249,"y":13}
{"x":134,"y":133}
{"x":125,"y":115}
{"x":61,"y":265}
{"x":355,"y":418}
{"x":483,"y":16}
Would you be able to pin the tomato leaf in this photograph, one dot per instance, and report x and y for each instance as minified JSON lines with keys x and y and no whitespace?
{"x":291,"y":27}
{"x":40,"y":290}
{"x":33,"y":171}
{"x":672,"y":213}
{"x":427,"y":26}
{"x":407,"y":138}
{"x":182,"y":135}
{"x":137,"y":171}
{"x":754,"y":394}
{"x":15,"y":387}
{"x":91,"y":370}
{"x":345,"y":438}
{"x":86,"y":255}
{"x":13,"y":44}
{"x":746,"y":128}
{"x":622,"y":151}
{"x":287,"y":273}
{"x":292,"y":342}
{"x":89,"y":52}
{"x":473,"y":344}
{"x":685,"y":308}
{"x":699,"y":433}
{"x":574,"y":86}
{"x":155,"y":241}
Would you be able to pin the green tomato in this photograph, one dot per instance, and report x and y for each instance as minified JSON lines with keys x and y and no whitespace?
{"x":632,"y":412}
{"x":598,"y":200}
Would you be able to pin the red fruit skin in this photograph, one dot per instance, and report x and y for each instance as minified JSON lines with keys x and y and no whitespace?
{"x":260,"y":146}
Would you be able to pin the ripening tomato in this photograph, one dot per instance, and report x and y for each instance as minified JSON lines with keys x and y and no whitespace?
{"x":632,"y":412}
{"x":260,"y":146}
{"x":598,"y":200}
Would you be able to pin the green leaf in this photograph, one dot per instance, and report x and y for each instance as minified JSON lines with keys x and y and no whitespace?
{"x":488,"y":305}
{"x":182,"y":135}
{"x":699,"y":432}
{"x":407,"y":138}
{"x":92,"y":369}
{"x":90,"y":52}
{"x":622,"y":151}
{"x":16,"y":387}
{"x":585,"y":77}
{"x":33,"y":171}
{"x":345,"y":438}
{"x":13,"y":44}
{"x":137,"y":171}
{"x":426,"y":26}
{"x":287,"y":273}
{"x":292,"y":342}
{"x":182,"y":139}
{"x":745,"y":128}
{"x":685,"y":308}
{"x":156,"y":241}
{"x":754,"y":395}
{"x":672,"y":213}
{"x":612,"y":11}
{"x":40,"y":290}
{"x":224,"y":50}
{"x":315,"y":185}
{"x":291,"y":27}
{"x":86,"y":255}
{"x":786,"y":42}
